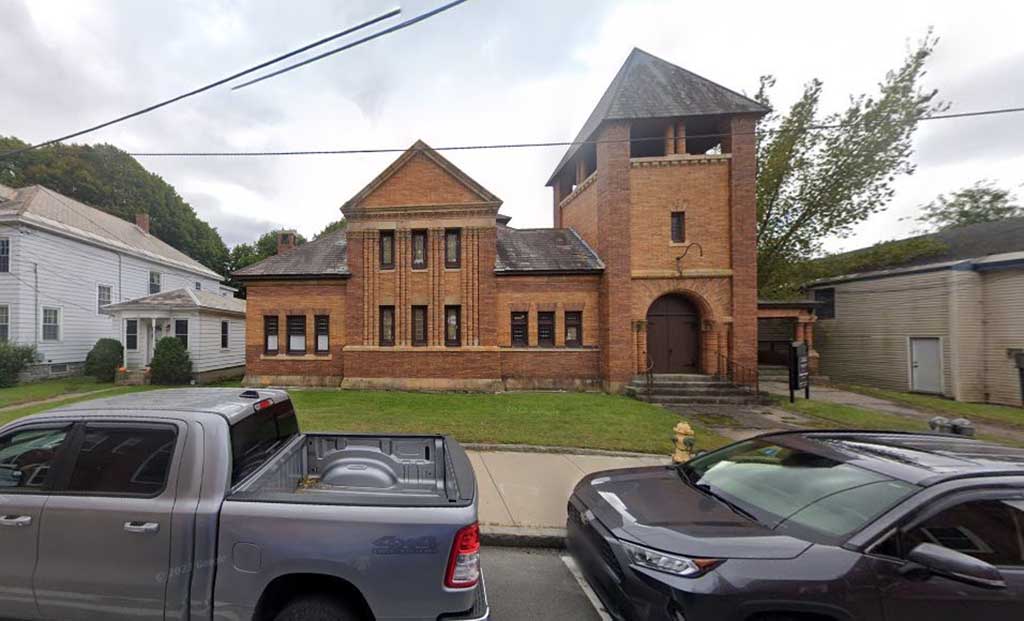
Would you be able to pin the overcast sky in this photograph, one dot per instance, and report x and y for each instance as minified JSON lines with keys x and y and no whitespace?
{"x":489,"y":71}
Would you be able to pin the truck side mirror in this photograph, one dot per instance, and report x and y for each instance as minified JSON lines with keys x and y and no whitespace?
{"x":954,"y":565}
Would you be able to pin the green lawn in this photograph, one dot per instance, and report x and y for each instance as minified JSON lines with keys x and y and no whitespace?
{"x":9,"y":415}
{"x":584,"y":420}
{"x":48,"y":389}
{"x":999,"y":414}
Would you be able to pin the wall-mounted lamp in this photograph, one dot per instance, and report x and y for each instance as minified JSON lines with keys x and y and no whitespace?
{"x":686,"y":251}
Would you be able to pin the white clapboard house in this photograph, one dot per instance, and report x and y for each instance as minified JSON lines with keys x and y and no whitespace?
{"x":62,"y":262}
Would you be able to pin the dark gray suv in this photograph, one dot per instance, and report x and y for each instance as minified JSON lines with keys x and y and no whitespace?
{"x":810,"y":526}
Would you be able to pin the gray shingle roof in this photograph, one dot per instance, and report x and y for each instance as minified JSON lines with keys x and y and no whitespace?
{"x":43,"y":207}
{"x":326,"y":257}
{"x":648,"y":87}
{"x":182,"y":299}
{"x":543,"y":251}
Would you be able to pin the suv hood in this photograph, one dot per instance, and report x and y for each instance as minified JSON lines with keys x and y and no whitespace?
{"x":655,"y":507}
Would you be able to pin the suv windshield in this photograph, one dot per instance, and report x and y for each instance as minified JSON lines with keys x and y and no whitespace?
{"x":793,"y":490}
{"x":255,"y":438}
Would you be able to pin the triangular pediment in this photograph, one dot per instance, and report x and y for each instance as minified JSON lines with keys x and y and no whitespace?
{"x":420,"y":177}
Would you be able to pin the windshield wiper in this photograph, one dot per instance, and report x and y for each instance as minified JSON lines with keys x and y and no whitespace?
{"x":687,"y":475}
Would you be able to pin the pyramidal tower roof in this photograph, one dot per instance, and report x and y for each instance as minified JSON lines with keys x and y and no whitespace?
{"x":648,"y":87}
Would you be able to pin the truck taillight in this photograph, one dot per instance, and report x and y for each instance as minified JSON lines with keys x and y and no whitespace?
{"x":464,"y":562}
{"x":266,"y":403}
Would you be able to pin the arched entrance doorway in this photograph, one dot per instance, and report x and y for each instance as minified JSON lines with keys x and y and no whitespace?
{"x":673,"y":335}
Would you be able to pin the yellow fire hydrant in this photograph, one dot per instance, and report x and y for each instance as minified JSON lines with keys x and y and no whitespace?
{"x":684,"y":440}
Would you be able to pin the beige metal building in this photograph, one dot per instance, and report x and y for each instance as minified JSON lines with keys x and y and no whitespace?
{"x":950,"y":324}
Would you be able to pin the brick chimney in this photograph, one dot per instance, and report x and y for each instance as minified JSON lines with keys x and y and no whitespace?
{"x":142,"y":221}
{"x":285,"y":241}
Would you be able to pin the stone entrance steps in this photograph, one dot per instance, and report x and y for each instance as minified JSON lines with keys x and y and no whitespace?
{"x":685,"y":389}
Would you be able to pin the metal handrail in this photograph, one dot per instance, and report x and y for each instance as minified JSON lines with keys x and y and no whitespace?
{"x":649,"y":374}
{"x":737,"y":373}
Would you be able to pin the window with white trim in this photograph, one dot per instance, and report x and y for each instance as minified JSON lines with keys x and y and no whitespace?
{"x":199,"y":286}
{"x":154,"y":282}
{"x":104,"y":296}
{"x":224,"y":329}
{"x":5,"y":254}
{"x":51,"y":323}
{"x":181,"y":331}
{"x":131,"y":334}
{"x":5,"y":323}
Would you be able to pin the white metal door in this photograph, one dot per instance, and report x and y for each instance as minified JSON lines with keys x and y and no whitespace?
{"x":926,"y":365}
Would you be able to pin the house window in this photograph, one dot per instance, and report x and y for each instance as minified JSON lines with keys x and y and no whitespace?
{"x":520,"y":323}
{"x":51,"y":324}
{"x":387,"y":326}
{"x":452,"y":248}
{"x":678,"y":226}
{"x":387,"y":250}
{"x":181,"y":331}
{"x":131,"y":334}
{"x":546,"y":329}
{"x":453,"y":326}
{"x":322,"y":325}
{"x":270,"y":342}
{"x":199,"y":286}
{"x":296,"y":326}
{"x":5,"y":323}
{"x":154,"y":282}
{"x":103,"y":296}
{"x":419,"y":249}
{"x":827,"y":303}
{"x":419,"y":325}
{"x":224,"y":328}
{"x":5,"y":254}
{"x":573,"y":329}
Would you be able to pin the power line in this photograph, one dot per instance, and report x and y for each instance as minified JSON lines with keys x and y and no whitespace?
{"x":538,"y":144}
{"x":209,"y":86}
{"x":347,"y":46}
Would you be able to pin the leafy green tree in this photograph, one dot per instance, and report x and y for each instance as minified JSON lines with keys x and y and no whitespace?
{"x":244,"y":255}
{"x":109,"y":179}
{"x":981,"y":202}
{"x":330,"y":228}
{"x":817,"y":183}
{"x":266,"y":245}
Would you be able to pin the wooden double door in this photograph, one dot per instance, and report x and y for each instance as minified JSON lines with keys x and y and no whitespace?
{"x":673,"y":335}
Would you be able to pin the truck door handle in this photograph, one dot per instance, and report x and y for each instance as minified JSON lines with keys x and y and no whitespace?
{"x":16,"y":521}
{"x":142,"y":528}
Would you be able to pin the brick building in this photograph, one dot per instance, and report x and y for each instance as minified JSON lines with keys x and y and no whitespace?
{"x":651,"y":263}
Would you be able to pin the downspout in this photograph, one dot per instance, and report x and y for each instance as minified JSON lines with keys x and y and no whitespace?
{"x":35,"y":307}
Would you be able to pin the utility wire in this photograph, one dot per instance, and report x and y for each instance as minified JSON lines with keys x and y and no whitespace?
{"x":396,"y":27}
{"x":209,"y":86}
{"x":540,"y":144}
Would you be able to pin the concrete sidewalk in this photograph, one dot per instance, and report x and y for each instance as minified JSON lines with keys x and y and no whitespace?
{"x":527,"y":490}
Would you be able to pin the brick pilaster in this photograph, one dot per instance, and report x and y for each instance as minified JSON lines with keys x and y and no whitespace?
{"x":743,"y":178}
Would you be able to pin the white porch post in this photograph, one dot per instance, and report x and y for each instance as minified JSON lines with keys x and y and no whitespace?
{"x":124,"y":342}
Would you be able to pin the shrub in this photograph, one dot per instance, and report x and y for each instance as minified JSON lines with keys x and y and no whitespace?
{"x":104,"y":359}
{"x":171,"y":364}
{"x":13,"y":359}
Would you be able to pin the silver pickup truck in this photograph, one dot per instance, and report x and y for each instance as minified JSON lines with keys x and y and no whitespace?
{"x":212,"y":504}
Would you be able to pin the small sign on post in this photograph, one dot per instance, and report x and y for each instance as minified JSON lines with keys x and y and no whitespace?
{"x":799,"y":370}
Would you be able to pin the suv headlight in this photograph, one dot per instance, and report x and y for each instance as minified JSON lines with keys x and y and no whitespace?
{"x":669,"y":563}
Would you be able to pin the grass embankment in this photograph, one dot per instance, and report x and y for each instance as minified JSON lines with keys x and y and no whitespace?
{"x":996,"y":414}
{"x":48,"y":389}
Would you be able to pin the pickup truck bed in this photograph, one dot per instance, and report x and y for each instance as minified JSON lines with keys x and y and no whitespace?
{"x":361,"y":469}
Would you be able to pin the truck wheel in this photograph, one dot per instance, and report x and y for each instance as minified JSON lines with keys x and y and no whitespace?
{"x":316,"y":608}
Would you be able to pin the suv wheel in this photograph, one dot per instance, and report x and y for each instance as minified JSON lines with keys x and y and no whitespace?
{"x":316,"y":608}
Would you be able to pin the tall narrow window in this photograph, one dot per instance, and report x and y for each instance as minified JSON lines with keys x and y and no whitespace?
{"x":322,"y":325}
{"x":103,"y":296}
{"x":131,"y":334}
{"x":270,"y":342}
{"x":199,"y":286}
{"x":452,"y":248}
{"x":520,"y":323}
{"x":5,"y":254}
{"x":296,"y":326}
{"x":546,"y":329}
{"x":5,"y":323}
{"x":678,"y":226}
{"x":573,"y":329}
{"x":387,"y":326}
{"x":826,"y":299}
{"x":387,"y":250}
{"x":419,"y":249}
{"x":154,"y":282}
{"x":51,"y":324}
{"x":419,"y":325}
{"x":181,"y":331}
{"x":453,"y":326}
{"x":225,"y":329}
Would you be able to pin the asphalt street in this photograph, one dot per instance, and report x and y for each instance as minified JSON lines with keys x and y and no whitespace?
{"x":533,"y":584}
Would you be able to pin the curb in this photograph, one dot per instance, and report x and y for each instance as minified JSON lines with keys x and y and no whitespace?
{"x":521,"y":537}
{"x":564,"y":450}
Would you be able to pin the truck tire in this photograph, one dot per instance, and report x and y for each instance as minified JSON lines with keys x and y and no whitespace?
{"x":316,"y":608}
